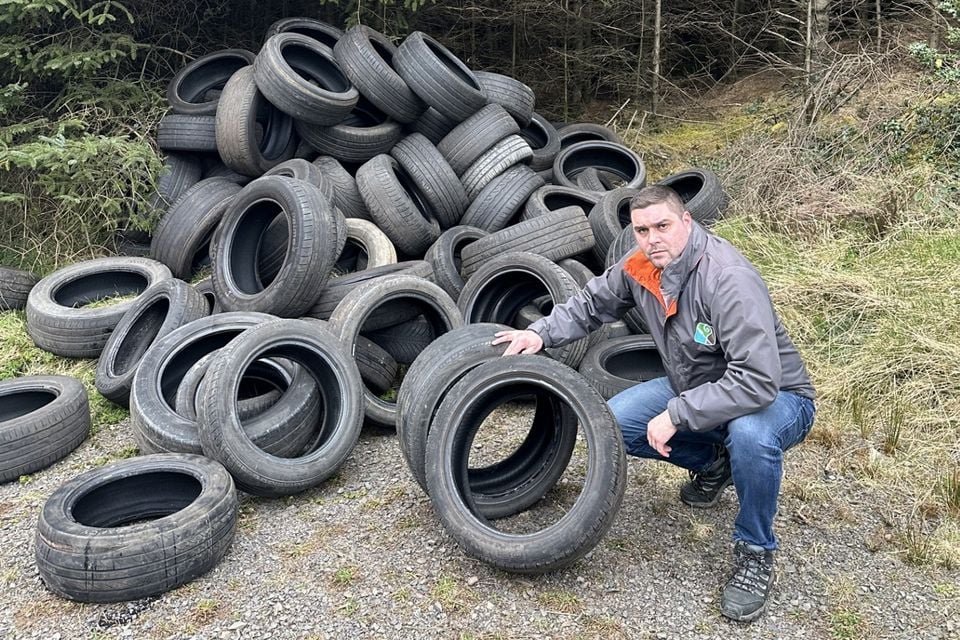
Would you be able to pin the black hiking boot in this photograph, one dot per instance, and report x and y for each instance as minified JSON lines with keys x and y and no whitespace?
{"x":746,"y":592}
{"x":704,"y":489}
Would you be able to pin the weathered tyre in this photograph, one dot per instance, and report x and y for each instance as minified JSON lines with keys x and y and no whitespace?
{"x":433,"y":124}
{"x":511,"y":94}
{"x":435,"y":181}
{"x":608,"y":218}
{"x":576,"y":132}
{"x":543,"y":140}
{"x":497,"y":159}
{"x":701,"y":192}
{"x":366,"y":56}
{"x":617,"y":364}
{"x":444,"y":257}
{"x":511,"y":281}
{"x":337,"y":288}
{"x":475,"y":135}
{"x":350,"y":318}
{"x":157,"y":427}
{"x":190,"y":91}
{"x":182,"y":239}
{"x":322,"y":32}
{"x":178,"y":132}
{"x":441,"y":79}
{"x":405,"y":341}
{"x":367,"y":247}
{"x":497,"y":204}
{"x":552,"y":197}
{"x":316,"y":351}
{"x":241,"y":111}
{"x":15,"y":286}
{"x":165,"y":306}
{"x":397,"y":205}
{"x":265,"y":382}
{"x":345,"y":196}
{"x":315,"y":237}
{"x":448,"y":447}
{"x":300,"y":76}
{"x":57,"y":319}
{"x":42,"y":419}
{"x":555,"y":235}
{"x":366,"y":132}
{"x":135,"y":528}
{"x":607,"y":158}
{"x":180,"y":172}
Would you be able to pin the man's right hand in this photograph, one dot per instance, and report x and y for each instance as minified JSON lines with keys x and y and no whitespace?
{"x":525,"y":341}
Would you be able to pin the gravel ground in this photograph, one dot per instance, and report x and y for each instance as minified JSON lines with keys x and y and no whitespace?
{"x":364,"y":556}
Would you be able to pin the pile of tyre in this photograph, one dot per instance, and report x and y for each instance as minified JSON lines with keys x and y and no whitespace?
{"x":364,"y":211}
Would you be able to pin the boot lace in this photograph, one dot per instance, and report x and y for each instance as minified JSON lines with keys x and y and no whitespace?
{"x":752,"y":574}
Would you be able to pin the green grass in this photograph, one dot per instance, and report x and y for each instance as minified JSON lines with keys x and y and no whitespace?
{"x":19,"y":356}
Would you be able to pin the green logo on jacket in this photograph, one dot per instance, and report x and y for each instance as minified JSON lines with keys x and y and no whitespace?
{"x":704,"y":335}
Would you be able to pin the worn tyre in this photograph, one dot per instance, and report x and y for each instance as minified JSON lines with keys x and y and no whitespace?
{"x":178,"y":132}
{"x":580,"y":529}
{"x":475,"y":135}
{"x":511,"y":94}
{"x":317,"y":351}
{"x":617,"y":364}
{"x":135,"y":528}
{"x":15,"y":286}
{"x":337,"y":288}
{"x":433,"y":125}
{"x":435,"y":180}
{"x":608,"y":218}
{"x":57,"y":319}
{"x":441,"y":79}
{"x":350,"y":318}
{"x":444,"y":257}
{"x":701,"y":192}
{"x":345,"y":195}
{"x":508,"y":152}
{"x":498,"y":203}
{"x":42,"y":419}
{"x":553,"y":197}
{"x":607,"y":158}
{"x":189,"y":92}
{"x":576,"y":132}
{"x":543,"y":140}
{"x":323,"y":32}
{"x":165,"y":306}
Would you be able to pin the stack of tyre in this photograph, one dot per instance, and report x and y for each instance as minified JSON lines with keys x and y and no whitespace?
{"x":356,"y":204}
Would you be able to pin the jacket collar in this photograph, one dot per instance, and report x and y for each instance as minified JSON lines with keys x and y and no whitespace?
{"x":667,"y":283}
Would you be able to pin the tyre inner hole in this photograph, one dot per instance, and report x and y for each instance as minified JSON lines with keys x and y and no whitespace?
{"x":320,"y":35}
{"x":414,"y":192}
{"x":208,"y":77}
{"x":687,"y":187}
{"x":504,"y":295}
{"x":558,"y":200}
{"x":535,"y":135}
{"x":638,"y":365}
{"x":140,"y":335}
{"x":139,"y":498}
{"x":277,"y":128}
{"x":446,"y":58}
{"x":99,"y":286}
{"x":313,"y":66}
{"x":612,"y":161}
{"x":16,"y":405}
{"x":246,"y":243}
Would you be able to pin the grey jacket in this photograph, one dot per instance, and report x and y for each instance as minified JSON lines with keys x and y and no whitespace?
{"x":724,"y":349}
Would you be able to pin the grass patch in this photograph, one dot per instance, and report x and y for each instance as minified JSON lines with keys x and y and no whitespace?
{"x":561,"y":601}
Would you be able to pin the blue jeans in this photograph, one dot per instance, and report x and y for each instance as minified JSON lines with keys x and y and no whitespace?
{"x":756,"y":443}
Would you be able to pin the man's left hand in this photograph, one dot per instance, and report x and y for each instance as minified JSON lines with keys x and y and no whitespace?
{"x":659,"y":431}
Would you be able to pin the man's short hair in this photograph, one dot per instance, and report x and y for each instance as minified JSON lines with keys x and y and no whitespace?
{"x":655,"y":194}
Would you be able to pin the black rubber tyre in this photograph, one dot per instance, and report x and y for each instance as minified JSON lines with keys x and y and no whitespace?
{"x":608,"y":218}
{"x":397,"y":205}
{"x":471,"y":138}
{"x":606,"y":157}
{"x":543,"y":140}
{"x":191,"y":89}
{"x":433,"y":125}
{"x":405,"y":341}
{"x":511,"y":281}
{"x":617,"y":364}
{"x":324,"y":33}
{"x":337,"y":288}
{"x":441,"y":79}
{"x":136,"y":528}
{"x":497,"y":204}
{"x":15,"y":286}
{"x":205,"y":288}
{"x":366,"y":56}
{"x":378,"y":369}
{"x":264,"y":396}
{"x":448,"y":446}
{"x":57,"y":319}
{"x":367,"y":247}
{"x":345,"y":196}
{"x":552,"y":197}
{"x":350,"y":318}
{"x":316,"y":235}
{"x":365,"y":133}
{"x":157,"y":427}
{"x":497,"y":159}
{"x":300,"y":169}
{"x":180,"y":172}
{"x":444,"y":257}
{"x":555,"y":235}
{"x":580,"y":272}
{"x":576,"y":132}
{"x":222,"y":171}
{"x":701,"y":192}
{"x":318,"y":352}
{"x":511,"y":94}
{"x":624,"y":243}
{"x":241,"y":110}
{"x":300,"y":76}
{"x":42,"y":419}
{"x":435,"y":180}
{"x":182,"y":239}
{"x":197,"y":134}
{"x":165,"y":306}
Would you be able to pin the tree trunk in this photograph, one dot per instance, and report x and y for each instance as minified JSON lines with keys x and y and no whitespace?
{"x":655,"y":80}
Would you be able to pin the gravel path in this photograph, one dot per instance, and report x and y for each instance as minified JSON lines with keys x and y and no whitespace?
{"x":364,"y":556}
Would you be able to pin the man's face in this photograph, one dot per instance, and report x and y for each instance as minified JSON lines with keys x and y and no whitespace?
{"x":661,"y":232}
